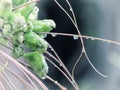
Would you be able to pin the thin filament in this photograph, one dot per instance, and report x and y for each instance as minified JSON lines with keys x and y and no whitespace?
{"x":61,"y":71}
{"x":23,"y":69}
{"x":84,"y":36}
{"x":56,"y":83}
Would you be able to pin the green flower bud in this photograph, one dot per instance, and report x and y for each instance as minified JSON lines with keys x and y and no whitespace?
{"x":6,"y":29}
{"x":29,"y":26}
{"x":1,"y":23}
{"x":43,"y":25}
{"x":26,"y":10}
{"x":17,"y":52}
{"x":6,"y":5}
{"x":20,"y":37}
{"x":37,"y":63}
{"x":18,"y":2}
{"x":18,"y":23}
{"x":3,"y":41}
{"x":5,"y":8}
{"x":34,"y":42}
{"x":34,"y":14}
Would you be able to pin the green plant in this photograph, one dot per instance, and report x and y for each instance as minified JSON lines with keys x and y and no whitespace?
{"x":21,"y":30}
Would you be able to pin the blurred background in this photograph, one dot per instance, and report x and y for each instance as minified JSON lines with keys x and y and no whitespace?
{"x":98,"y":18}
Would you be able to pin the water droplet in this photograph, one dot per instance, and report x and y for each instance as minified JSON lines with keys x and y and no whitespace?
{"x":56,"y":82}
{"x":50,"y":55}
{"x":103,"y":40}
{"x":60,"y":64}
{"x":108,"y":41}
{"x":71,"y":9}
{"x":36,"y":9}
{"x":73,"y":81}
{"x":52,"y":49}
{"x":44,"y":35}
{"x":75,"y":37}
{"x":86,"y":38}
{"x":92,"y":39}
{"x":54,"y":35}
{"x":49,"y":46}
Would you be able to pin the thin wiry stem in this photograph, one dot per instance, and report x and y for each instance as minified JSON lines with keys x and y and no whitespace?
{"x":72,"y":11}
{"x":23,"y":63}
{"x":84,"y":36}
{"x":6,"y":46}
{"x":64,"y":67}
{"x":53,"y":57}
{"x":30,"y":81}
{"x":18,"y":77}
{"x":23,"y":5}
{"x":60,"y":71}
{"x":80,"y":36}
{"x":24,"y":69}
{"x":1,"y":86}
{"x":9,"y":81}
{"x":76,"y":64}
{"x":56,"y":83}
{"x":35,"y":88}
{"x":101,"y":39}
{"x":8,"y":84}
{"x":5,"y":66}
{"x":58,"y":61}
{"x":56,"y":65}
{"x":94,"y":66}
{"x":81,"y":39}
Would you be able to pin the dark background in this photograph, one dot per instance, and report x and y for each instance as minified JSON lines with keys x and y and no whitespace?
{"x":95,"y":18}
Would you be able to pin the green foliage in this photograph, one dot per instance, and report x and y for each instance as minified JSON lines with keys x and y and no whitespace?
{"x":17,"y":52}
{"x":34,"y":42}
{"x":21,"y":26}
{"x":18,"y":2}
{"x":37,"y":63}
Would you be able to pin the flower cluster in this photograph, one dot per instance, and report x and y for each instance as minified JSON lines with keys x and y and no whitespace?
{"x":19,"y":24}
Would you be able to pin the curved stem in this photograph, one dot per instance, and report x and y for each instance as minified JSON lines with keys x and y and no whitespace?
{"x":1,"y":86}
{"x":61,"y":72}
{"x":56,"y":83}
{"x":24,"y":69}
{"x":83,"y":36}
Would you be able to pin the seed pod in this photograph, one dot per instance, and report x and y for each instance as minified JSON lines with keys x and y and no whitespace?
{"x":37,"y":63}
{"x":43,"y":25}
{"x":34,"y":42}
